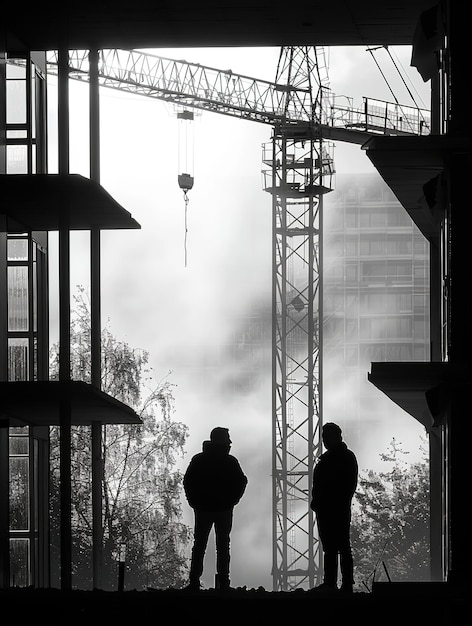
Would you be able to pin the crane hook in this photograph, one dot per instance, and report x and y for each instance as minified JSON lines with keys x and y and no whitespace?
{"x":185,"y":176}
{"x":186,"y":200}
{"x":185,"y":183}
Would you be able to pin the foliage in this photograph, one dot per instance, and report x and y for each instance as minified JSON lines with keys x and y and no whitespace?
{"x":141,"y":488}
{"x":390,"y":525}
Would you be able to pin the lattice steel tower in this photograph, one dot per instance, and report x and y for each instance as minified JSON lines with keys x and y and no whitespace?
{"x":299,"y":173}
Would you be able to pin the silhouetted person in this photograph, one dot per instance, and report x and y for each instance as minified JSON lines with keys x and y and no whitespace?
{"x":334,"y":483}
{"x":214,"y":483}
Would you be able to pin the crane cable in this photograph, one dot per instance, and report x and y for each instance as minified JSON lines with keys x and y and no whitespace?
{"x":409,"y":91}
{"x":185,"y":164}
{"x":402,"y":78}
{"x":186,"y":200}
{"x":371,"y":50}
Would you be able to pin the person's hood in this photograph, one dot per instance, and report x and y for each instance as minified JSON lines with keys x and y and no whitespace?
{"x":213,"y":448}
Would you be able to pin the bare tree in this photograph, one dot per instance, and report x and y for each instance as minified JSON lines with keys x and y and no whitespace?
{"x":390,"y":526}
{"x":141,"y":486}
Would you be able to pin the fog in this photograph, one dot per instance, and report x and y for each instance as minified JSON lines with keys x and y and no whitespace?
{"x":190,"y":293}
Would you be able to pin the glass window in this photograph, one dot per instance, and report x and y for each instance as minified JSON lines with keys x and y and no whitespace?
{"x":364,"y":326}
{"x":372,"y":352}
{"x":420,"y":329}
{"x":420,"y":352}
{"x":392,"y":303}
{"x":400,"y":352}
{"x":352,"y":330}
{"x":15,"y":71}
{"x":19,"y":446}
{"x":378,"y":328}
{"x":18,"y":359}
{"x":377,"y":218}
{"x":19,"y":562}
{"x":377,"y":248}
{"x":421,"y":272}
{"x":401,"y":245}
{"x":351,"y":273}
{"x":33,"y":101}
{"x":372,"y":217}
{"x":335,"y":247}
{"x":373,"y":303}
{"x":352,"y":305}
{"x":400,"y":327}
{"x":35,"y":358}
{"x":17,"y":160}
{"x":333,"y":302}
{"x":19,"y":493}
{"x":400,"y":269}
{"x":351,"y":218}
{"x":371,"y":270}
{"x":17,"y":249}
{"x":398,"y":217}
{"x":351,"y":247}
{"x":19,"y":430}
{"x":372,"y":247}
{"x":420,"y":245}
{"x":16,"y":102}
{"x":18,"y":298}
{"x":17,"y":134}
{"x":405,"y":302}
{"x":420,"y":304}
{"x":333,"y":328}
{"x":364,"y":220}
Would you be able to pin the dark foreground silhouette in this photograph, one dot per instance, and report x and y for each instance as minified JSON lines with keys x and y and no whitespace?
{"x":214,"y":483}
{"x":386,"y":604}
{"x":389,"y":604}
{"x":334,"y":484}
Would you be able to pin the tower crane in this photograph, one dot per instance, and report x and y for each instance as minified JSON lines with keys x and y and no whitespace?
{"x":298,"y":170}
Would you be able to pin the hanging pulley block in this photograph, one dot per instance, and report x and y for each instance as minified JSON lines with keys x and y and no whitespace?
{"x":185,"y":115}
{"x":185,"y":181}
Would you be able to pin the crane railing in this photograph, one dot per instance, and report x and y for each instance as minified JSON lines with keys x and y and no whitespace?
{"x":378,"y":116}
{"x":225,"y":92}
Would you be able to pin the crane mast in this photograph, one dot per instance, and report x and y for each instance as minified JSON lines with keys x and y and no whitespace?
{"x":298,"y":170}
{"x":299,"y":173}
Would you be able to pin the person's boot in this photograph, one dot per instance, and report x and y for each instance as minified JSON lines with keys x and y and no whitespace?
{"x":193,"y":585}
{"x":346,"y":588}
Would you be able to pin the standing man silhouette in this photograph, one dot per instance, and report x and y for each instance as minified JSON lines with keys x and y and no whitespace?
{"x":334,"y":483}
{"x":213,"y":483}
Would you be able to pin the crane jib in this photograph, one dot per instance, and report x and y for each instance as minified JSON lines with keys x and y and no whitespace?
{"x":237,"y":95}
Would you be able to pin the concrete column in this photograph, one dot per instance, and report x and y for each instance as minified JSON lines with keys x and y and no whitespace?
{"x":95,"y":270}
{"x":64,"y":327}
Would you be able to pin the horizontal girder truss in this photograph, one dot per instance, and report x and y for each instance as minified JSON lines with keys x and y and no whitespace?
{"x":226,"y":92}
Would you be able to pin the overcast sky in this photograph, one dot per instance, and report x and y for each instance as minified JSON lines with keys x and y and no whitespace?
{"x":182,"y":304}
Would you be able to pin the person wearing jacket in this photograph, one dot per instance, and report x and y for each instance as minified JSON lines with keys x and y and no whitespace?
{"x":334,"y":484}
{"x":213,"y":483}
